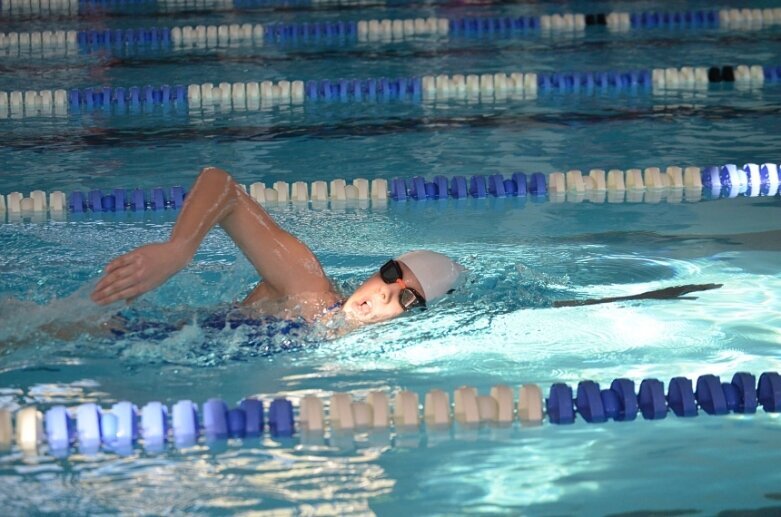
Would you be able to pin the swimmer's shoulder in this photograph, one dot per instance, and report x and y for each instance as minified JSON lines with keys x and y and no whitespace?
{"x":309,"y":306}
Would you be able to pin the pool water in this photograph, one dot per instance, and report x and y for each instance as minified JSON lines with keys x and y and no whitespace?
{"x":498,"y":327}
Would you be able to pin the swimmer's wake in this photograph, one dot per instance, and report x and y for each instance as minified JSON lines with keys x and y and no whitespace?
{"x":668,"y":293}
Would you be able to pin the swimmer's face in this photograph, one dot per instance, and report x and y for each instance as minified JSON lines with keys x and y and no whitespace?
{"x":376,"y":301}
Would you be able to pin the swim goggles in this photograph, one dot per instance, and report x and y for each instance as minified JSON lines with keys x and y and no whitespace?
{"x":409,"y":298}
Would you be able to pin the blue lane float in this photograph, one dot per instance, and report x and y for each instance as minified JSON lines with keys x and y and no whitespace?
{"x":253,"y":417}
{"x":124,"y":200}
{"x":184,"y":422}
{"x":59,"y":426}
{"x":698,"y":19}
{"x":154,"y":423}
{"x":106,"y":97}
{"x":746,"y":392}
{"x":712,"y":396}
{"x":560,"y":405}
{"x":623,"y":391}
{"x":280,"y":418}
{"x":215,"y":419}
{"x":237,"y":421}
{"x":152,"y":37}
{"x":769,"y":392}
{"x":589,"y":403}
{"x":680,"y":397}
{"x":127,"y":422}
{"x":358,"y":90}
{"x":88,"y":427}
{"x":651,"y":399}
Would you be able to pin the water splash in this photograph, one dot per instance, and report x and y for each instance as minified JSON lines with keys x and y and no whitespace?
{"x":22,"y":320}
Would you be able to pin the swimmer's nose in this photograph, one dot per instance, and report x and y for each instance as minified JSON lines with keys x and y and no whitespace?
{"x":385,"y":293}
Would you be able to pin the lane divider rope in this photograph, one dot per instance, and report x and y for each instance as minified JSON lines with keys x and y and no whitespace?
{"x":495,"y":87}
{"x":391,"y":29}
{"x":51,"y":43}
{"x":633,"y":185}
{"x":79,"y":8}
{"x":90,"y":427}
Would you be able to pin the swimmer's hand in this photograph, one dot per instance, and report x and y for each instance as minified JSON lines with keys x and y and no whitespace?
{"x":669,"y":293}
{"x":139,"y":271}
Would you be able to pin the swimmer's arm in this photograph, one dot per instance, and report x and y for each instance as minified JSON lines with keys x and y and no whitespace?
{"x":262,"y":292}
{"x":70,"y":330}
{"x":287,"y":265}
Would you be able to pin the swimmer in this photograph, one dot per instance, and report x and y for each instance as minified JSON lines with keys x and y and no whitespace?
{"x":293,"y":281}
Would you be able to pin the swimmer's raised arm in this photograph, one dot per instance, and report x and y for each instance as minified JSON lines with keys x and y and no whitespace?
{"x":287,"y":265}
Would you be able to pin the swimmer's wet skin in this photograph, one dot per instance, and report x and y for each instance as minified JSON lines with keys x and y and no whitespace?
{"x":292,"y":277}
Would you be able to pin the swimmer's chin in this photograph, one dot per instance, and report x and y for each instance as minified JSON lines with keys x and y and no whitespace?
{"x":354,"y":319}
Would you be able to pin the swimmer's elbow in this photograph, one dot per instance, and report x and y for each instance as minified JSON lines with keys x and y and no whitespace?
{"x":214,"y":173}
{"x":216,"y":179}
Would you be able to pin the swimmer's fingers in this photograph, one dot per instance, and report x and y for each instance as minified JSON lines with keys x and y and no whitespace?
{"x":125,"y":294}
{"x":116,"y":274}
{"x":139,"y":271}
{"x":120,"y":274}
{"x":120,"y":269}
{"x":118,"y":282}
{"x":121,"y":261}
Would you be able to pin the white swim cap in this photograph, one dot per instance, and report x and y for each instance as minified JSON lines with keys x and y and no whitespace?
{"x":436,"y":273}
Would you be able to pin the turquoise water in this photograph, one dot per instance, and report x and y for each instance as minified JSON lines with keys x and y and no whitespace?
{"x":498,"y":328}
